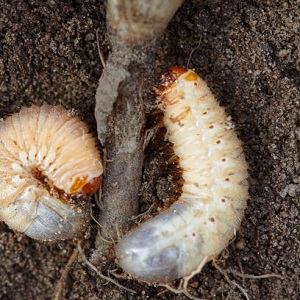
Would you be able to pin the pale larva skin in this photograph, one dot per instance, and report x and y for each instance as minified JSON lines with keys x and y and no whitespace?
{"x":210,"y":209}
{"x":49,"y":164}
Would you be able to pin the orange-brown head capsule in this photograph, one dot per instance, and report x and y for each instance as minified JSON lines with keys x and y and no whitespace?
{"x":169,"y":77}
{"x":91,"y":186}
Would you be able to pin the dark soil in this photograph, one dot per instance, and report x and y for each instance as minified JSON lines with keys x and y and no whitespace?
{"x":249,"y":53}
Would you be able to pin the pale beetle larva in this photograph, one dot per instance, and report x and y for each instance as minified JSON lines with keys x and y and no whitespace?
{"x":49,"y":165}
{"x":209,"y":211}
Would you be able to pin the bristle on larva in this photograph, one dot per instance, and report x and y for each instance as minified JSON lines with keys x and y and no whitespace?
{"x":210,"y":209}
{"x":49,"y":165}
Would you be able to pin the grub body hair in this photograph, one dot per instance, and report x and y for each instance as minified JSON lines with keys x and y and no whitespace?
{"x":49,"y":163}
{"x":210,"y":209}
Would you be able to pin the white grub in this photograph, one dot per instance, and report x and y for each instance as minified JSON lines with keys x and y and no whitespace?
{"x":49,"y":164}
{"x":214,"y":194}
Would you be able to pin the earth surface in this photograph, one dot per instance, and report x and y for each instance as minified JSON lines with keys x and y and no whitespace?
{"x":249,"y":53}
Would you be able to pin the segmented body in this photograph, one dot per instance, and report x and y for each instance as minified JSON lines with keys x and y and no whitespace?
{"x":210,"y":209}
{"x":49,"y":164}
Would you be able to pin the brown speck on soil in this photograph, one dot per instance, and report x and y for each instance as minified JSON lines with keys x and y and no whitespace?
{"x":249,"y":53}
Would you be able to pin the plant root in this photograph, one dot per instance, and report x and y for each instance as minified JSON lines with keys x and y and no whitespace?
{"x":64,"y":274}
{"x":91,"y":266}
{"x":242,"y":275}
{"x":183,"y":285}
